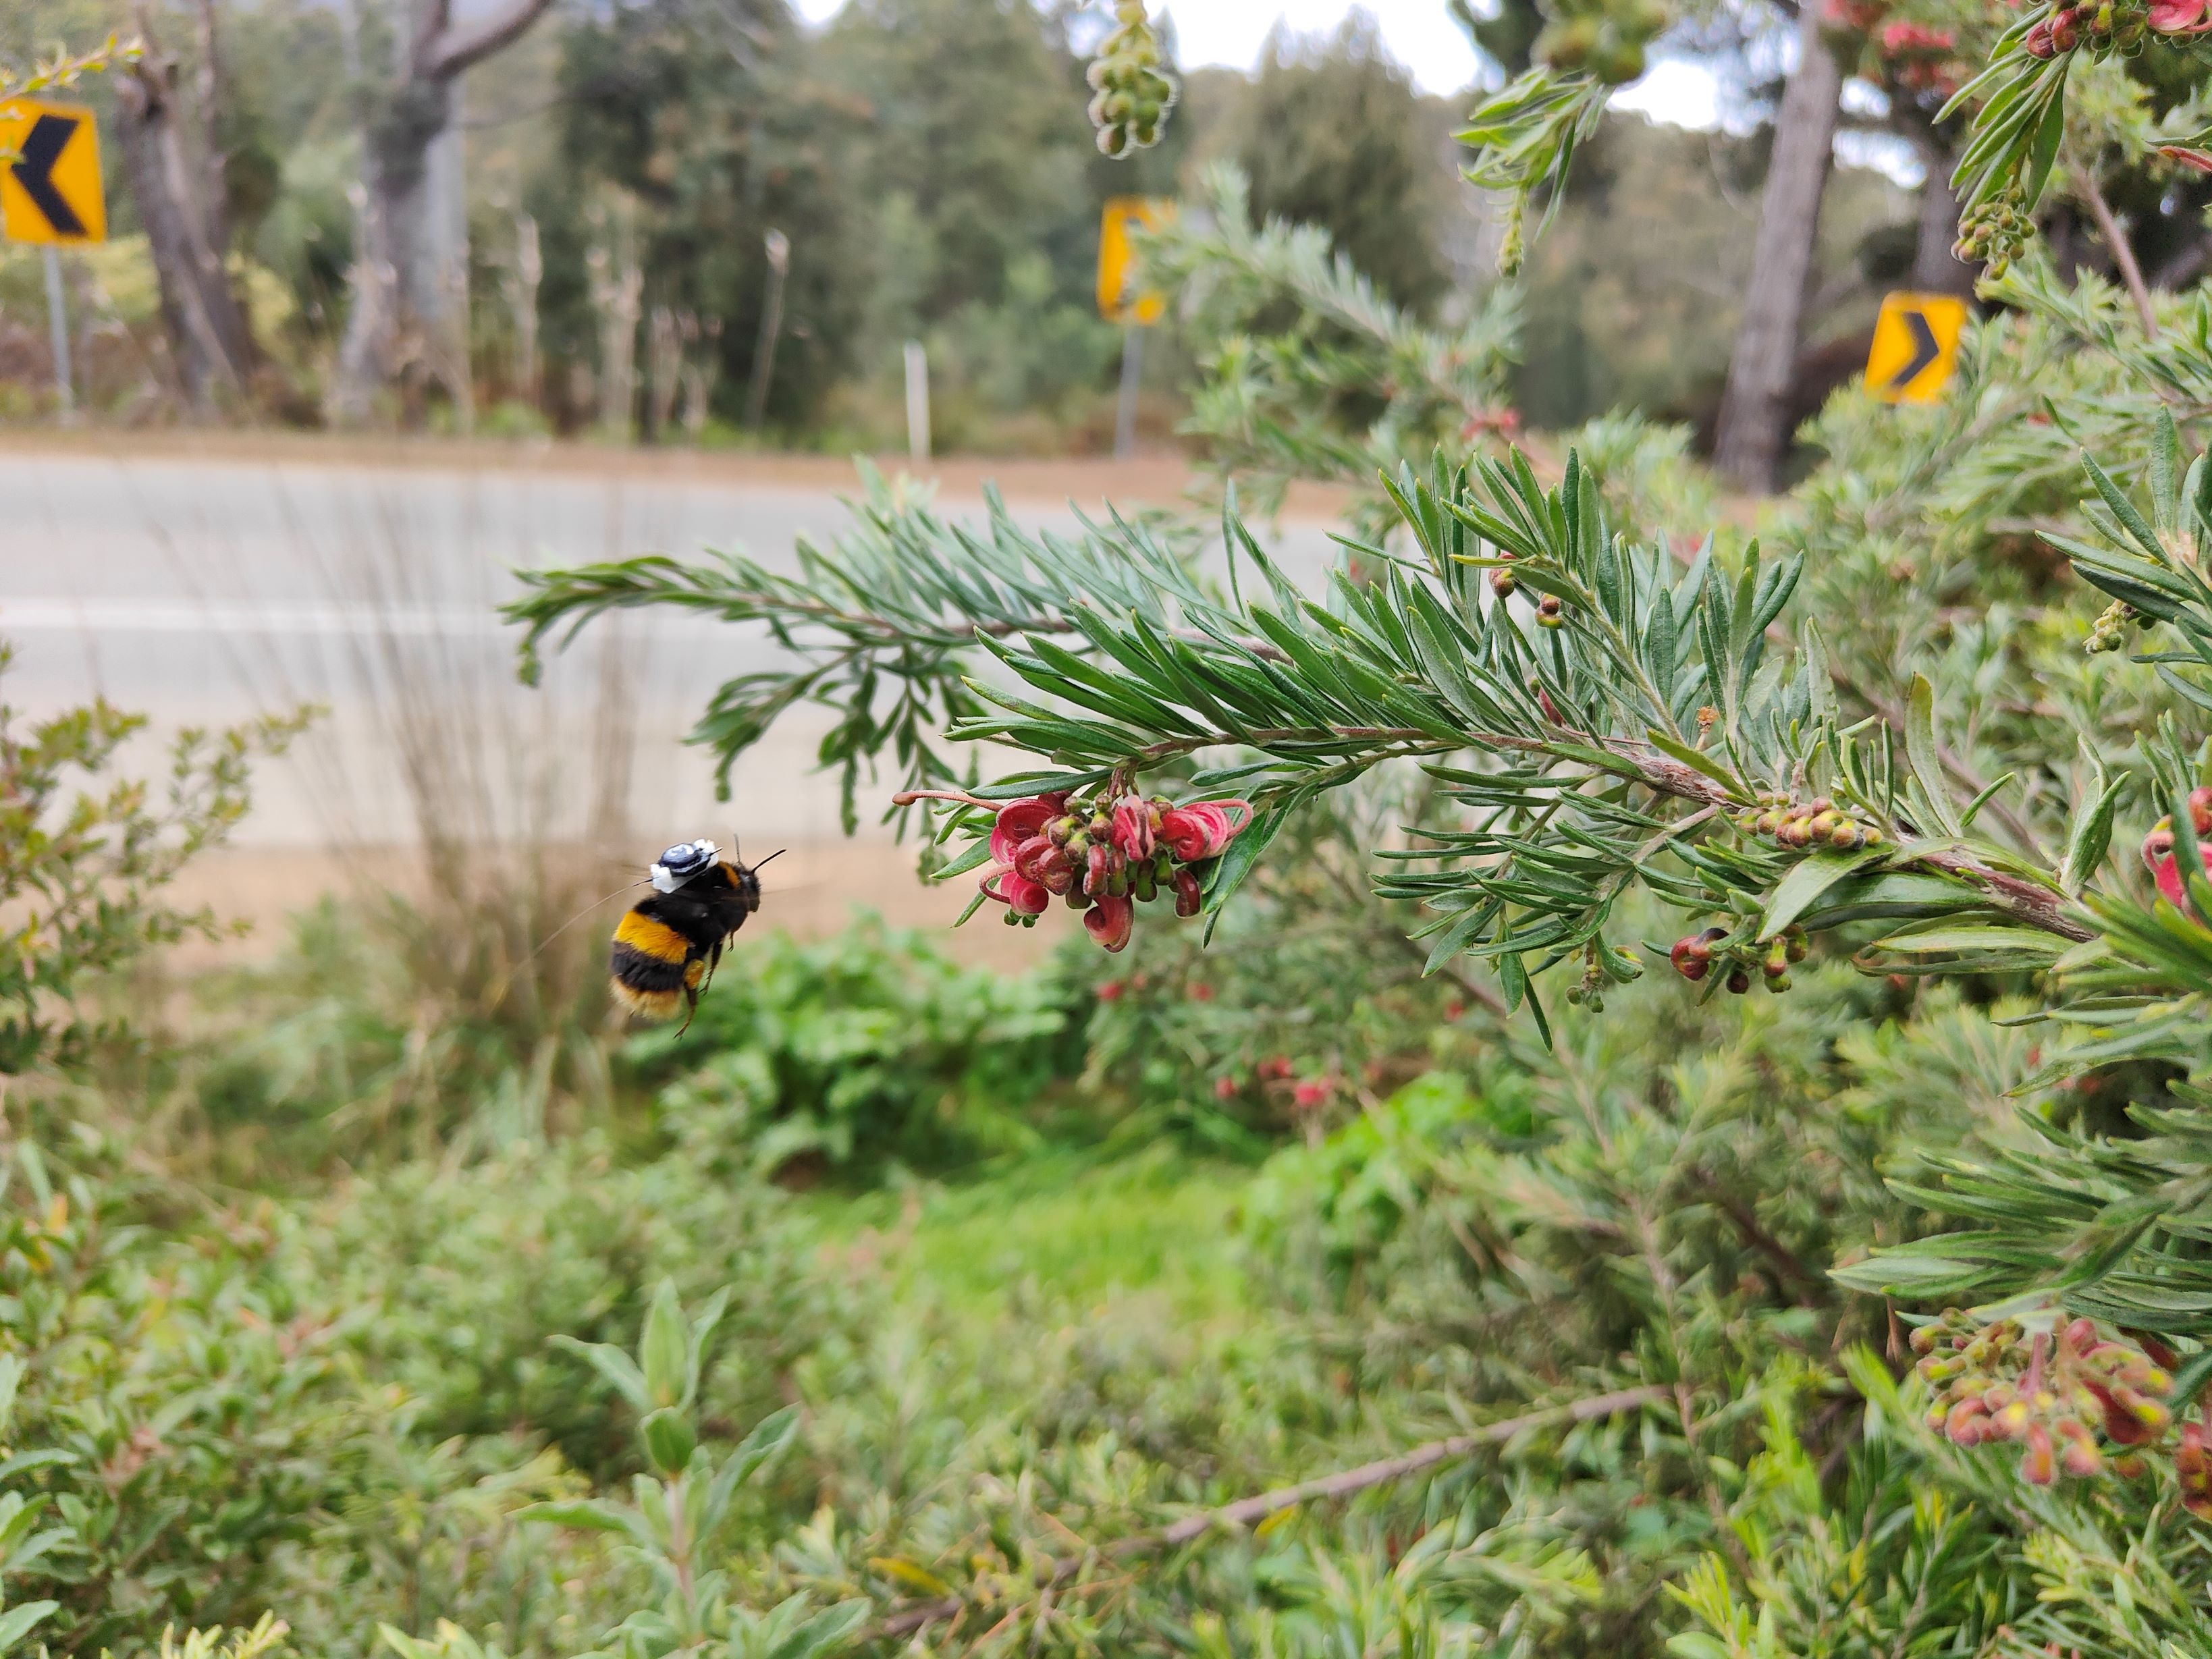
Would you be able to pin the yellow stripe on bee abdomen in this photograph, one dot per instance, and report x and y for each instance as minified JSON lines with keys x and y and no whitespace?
{"x":654,"y":938}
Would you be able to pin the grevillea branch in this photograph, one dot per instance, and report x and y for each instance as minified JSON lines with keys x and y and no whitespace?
{"x":1249,"y":1511}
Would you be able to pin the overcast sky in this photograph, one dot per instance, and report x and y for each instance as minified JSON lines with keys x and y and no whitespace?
{"x":1419,"y":33}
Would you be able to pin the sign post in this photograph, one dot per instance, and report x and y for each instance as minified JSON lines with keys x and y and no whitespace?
{"x":1915,"y":347}
{"x":58,"y":332}
{"x":1117,"y":304}
{"x":50,"y":193}
{"x":917,"y":402}
{"x":1125,"y":409}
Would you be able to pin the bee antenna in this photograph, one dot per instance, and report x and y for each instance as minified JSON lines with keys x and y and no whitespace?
{"x":773,"y":857}
{"x":508,"y":977}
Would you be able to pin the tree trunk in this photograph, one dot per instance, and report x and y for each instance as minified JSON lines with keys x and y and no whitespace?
{"x":182,"y":207}
{"x":407,"y":300}
{"x":523,"y":273}
{"x":701,"y":372}
{"x":390,"y":300}
{"x":1936,"y":269}
{"x":664,"y":372}
{"x":617,"y":286}
{"x":1753,"y":409}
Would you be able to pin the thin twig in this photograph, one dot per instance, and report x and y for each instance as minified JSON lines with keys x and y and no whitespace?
{"x":1247,"y":1510}
{"x":1754,"y":1233}
{"x":2124,"y":253}
{"x":2024,"y":901}
{"x":755,"y":605}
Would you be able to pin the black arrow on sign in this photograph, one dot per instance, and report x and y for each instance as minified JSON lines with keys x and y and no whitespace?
{"x":1924,"y":351}
{"x":42,"y":148}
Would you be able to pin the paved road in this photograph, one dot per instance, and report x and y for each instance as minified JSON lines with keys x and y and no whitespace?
{"x":204,"y":589}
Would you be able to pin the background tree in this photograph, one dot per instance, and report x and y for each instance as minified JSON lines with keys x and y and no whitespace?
{"x":183,"y":158}
{"x":716,"y":121}
{"x":1331,"y":132}
{"x":1753,"y":424}
{"x":409,"y":274}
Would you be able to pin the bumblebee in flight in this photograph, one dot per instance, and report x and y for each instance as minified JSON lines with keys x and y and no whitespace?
{"x":666,"y":946}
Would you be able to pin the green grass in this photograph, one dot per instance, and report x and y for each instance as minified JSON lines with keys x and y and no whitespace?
{"x":1064,"y":1228}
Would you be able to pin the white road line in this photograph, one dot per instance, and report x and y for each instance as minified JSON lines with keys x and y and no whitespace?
{"x":196,"y":616}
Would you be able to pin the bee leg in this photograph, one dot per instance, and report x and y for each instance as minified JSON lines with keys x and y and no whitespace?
{"x":697,"y":972}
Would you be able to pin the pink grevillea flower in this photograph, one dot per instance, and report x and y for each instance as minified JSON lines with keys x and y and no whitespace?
{"x":1044,"y":861}
{"x":1020,"y":820}
{"x":1224,"y":1088}
{"x":1203,"y":829}
{"x":1109,"y":921}
{"x":1501,"y":422}
{"x":1135,"y":822}
{"x":1916,"y":37}
{"x":1098,"y":869}
{"x":2158,"y":854}
{"x":1310,"y":1095}
{"x":2178,"y":17}
{"x":2158,"y":846}
{"x":1190,"y":897}
{"x":1016,"y":892}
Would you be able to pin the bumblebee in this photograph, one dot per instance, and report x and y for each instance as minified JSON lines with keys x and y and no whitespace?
{"x":665,"y":947}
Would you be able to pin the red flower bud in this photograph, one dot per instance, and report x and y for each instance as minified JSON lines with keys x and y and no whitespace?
{"x":1224,"y":1088}
{"x":1201,"y":994}
{"x":1966,"y":1423}
{"x":1109,"y":921}
{"x":1110,"y":991}
{"x":1190,"y":898}
{"x":1017,"y":893}
{"x":1692,"y":956}
{"x":1310,"y":1095}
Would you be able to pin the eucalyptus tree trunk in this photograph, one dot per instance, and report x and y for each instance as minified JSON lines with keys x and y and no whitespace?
{"x":177,"y":184}
{"x":617,"y":288}
{"x":1754,"y":407}
{"x":523,"y":273}
{"x":406,"y":290}
{"x":1936,"y":269}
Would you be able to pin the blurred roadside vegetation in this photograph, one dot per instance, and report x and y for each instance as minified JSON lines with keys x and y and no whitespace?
{"x":668,"y":138}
